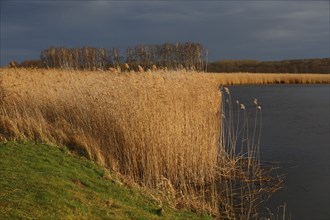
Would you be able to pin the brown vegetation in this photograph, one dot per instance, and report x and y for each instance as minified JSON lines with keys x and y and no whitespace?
{"x":163,"y":130}
{"x":268,"y":78}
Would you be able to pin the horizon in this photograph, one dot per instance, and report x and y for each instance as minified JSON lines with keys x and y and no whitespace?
{"x":209,"y":61}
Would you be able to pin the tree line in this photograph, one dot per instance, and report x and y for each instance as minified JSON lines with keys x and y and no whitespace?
{"x":171,"y":56}
{"x":177,"y":56}
{"x":320,"y":65}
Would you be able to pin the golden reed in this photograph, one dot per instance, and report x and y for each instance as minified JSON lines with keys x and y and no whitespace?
{"x":161,"y":130}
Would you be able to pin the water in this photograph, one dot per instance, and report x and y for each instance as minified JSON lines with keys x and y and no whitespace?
{"x":295,"y":133}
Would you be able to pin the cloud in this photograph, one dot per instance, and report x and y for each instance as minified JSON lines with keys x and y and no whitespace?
{"x":230,"y":29}
{"x":292,"y":22}
{"x":12,"y":29}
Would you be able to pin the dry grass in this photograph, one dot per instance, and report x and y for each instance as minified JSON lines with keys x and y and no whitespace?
{"x":269,"y":78}
{"x":161,"y":130}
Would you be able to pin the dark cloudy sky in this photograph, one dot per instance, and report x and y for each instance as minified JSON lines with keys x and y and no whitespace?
{"x":263,"y":30}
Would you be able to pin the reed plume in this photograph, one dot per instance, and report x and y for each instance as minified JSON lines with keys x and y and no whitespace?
{"x":165,"y":131}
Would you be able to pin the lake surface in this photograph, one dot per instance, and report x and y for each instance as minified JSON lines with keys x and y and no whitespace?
{"x":295,"y":133}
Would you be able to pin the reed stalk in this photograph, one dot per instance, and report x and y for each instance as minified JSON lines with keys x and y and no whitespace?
{"x":170,"y":132}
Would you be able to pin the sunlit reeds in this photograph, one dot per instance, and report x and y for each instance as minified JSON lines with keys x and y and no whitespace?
{"x":169,"y":131}
{"x":269,"y":78}
{"x":251,"y":183}
{"x":151,"y":128}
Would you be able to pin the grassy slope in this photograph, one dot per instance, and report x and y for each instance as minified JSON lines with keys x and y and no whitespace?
{"x":42,"y":181}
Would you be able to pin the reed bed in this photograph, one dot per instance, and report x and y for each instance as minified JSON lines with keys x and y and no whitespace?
{"x":269,"y":78}
{"x":163,"y":130}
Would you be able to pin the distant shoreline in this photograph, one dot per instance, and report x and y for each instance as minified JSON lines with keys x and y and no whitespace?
{"x":270,"y":78}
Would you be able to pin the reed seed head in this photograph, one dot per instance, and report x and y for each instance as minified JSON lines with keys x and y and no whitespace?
{"x":226,"y":90}
{"x":255,"y":101}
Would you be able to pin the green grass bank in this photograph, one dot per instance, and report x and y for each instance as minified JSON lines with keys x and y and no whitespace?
{"x":40,"y":181}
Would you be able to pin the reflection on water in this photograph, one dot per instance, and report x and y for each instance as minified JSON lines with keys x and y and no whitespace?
{"x":295,"y":133}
